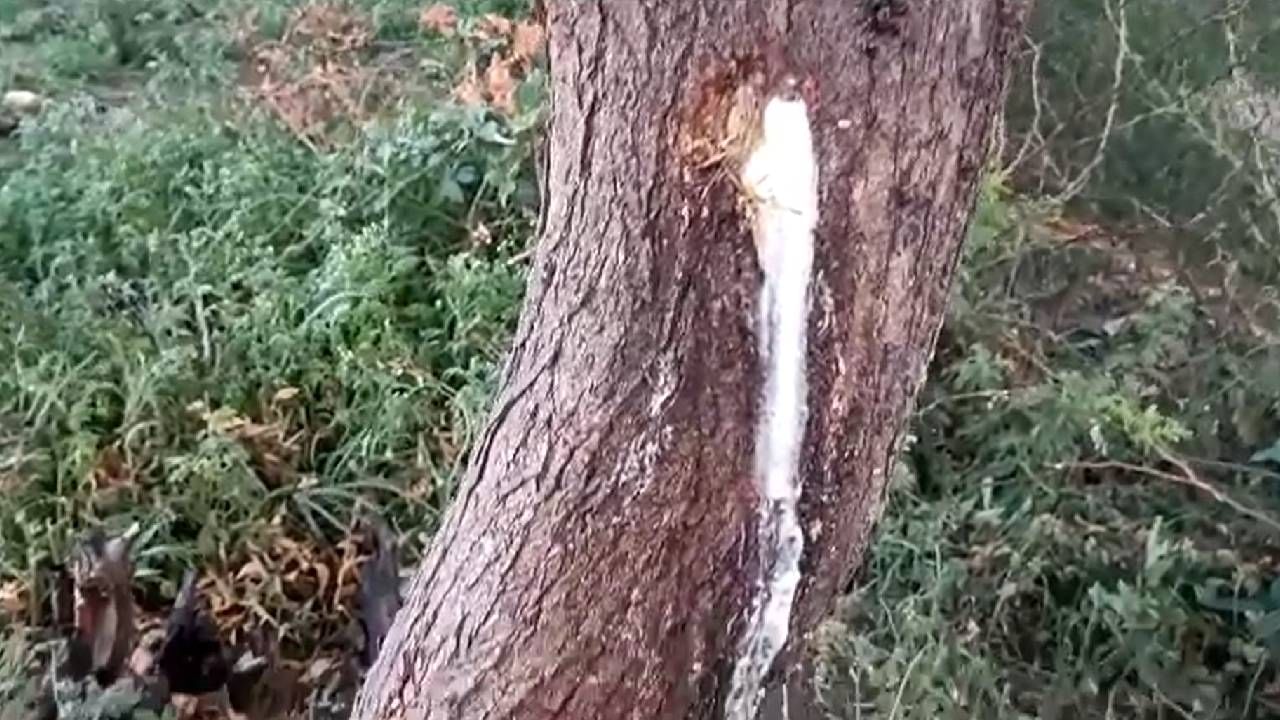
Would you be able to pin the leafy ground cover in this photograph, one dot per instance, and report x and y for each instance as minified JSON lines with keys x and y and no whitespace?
{"x":258,"y":262}
{"x":263,"y":284}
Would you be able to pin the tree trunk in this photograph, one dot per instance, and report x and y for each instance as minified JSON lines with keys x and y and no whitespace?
{"x":611,"y":547}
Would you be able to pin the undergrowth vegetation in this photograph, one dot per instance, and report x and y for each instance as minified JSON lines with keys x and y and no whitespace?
{"x":1075,"y":529}
{"x":215,"y":328}
{"x":1084,"y":523}
{"x":258,"y":262}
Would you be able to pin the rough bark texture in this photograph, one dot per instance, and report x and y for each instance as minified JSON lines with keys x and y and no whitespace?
{"x":601,"y":554}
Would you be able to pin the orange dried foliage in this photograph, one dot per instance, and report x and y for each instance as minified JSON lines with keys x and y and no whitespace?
{"x":329,"y":28}
{"x":281,"y":579}
{"x":493,"y":27}
{"x":314,"y":79}
{"x":527,"y":41}
{"x":13,"y":599}
{"x":111,"y":472}
{"x":469,"y":93}
{"x":439,"y":18}
{"x":514,"y":48}
{"x":274,"y":443}
{"x":500,"y":84}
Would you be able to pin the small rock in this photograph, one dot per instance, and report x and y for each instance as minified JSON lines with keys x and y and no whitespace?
{"x":22,"y":101}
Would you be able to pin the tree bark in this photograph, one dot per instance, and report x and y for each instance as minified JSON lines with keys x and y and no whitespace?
{"x":603,"y":553}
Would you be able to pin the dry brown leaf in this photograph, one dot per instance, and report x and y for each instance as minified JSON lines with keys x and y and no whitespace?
{"x":439,"y":18}
{"x":13,"y":599}
{"x":468,"y":93}
{"x":349,"y":561}
{"x":111,"y":471}
{"x":273,"y":449}
{"x":322,"y":573}
{"x":329,"y":27}
{"x":151,"y":637}
{"x":493,"y":26}
{"x":527,"y":41}
{"x":500,"y":84}
{"x":312,"y":79}
{"x":284,"y":581}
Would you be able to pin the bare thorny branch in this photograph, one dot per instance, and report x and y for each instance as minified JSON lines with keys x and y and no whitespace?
{"x":1045,"y":127}
{"x":1119,"y":19}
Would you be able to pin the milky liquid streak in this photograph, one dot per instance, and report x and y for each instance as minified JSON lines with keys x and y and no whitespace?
{"x":782,"y":177}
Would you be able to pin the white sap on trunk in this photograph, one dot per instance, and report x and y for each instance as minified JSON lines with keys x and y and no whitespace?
{"x":781,"y":175}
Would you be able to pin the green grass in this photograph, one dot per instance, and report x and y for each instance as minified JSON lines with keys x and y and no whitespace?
{"x":216,"y":329}
{"x":172,"y":271}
